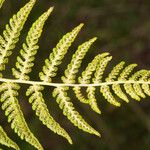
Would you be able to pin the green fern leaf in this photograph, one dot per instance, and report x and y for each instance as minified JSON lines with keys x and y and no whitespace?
{"x":24,"y":65}
{"x":50,"y":67}
{"x":112,"y":76}
{"x":97,"y":79}
{"x":116,"y":87}
{"x":5,"y":140}
{"x":29,"y":49}
{"x":105,"y":90}
{"x":86,"y":77}
{"x":128,"y":87}
{"x":11,"y":33}
{"x":15,"y":116}
{"x":9,"y":90}
{"x":146,"y":87}
{"x":61,"y":92}
{"x":38,"y":104}
{"x":132,"y":88}
{"x":68,"y":110}
{"x":49,"y":70}
{"x":136,"y":85}
{"x":72,"y":69}
{"x":114,"y":73}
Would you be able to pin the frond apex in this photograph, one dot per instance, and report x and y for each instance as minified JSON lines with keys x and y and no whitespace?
{"x":29,"y":49}
{"x":12,"y":32}
{"x":58,"y":53}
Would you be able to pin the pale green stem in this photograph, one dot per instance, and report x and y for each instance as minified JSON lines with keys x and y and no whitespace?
{"x":71,"y":85}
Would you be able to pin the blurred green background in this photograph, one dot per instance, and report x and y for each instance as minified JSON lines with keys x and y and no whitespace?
{"x":123,"y":29}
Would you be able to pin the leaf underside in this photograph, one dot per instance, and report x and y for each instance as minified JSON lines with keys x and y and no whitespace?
{"x":122,"y":82}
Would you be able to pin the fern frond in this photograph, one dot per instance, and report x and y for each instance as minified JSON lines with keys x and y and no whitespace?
{"x":24,"y":64}
{"x":136,"y":87}
{"x":15,"y":116}
{"x":145,"y":87}
{"x":128,"y":87}
{"x":5,"y":140}
{"x":85,"y":79}
{"x":68,"y":110}
{"x":114,"y":73}
{"x":133,"y":89}
{"x":38,"y":104}
{"x":126,"y":72}
{"x":105,"y":90}
{"x":61,"y":92}
{"x":112,"y":76}
{"x":58,"y":53}
{"x":1,"y":3}
{"x":116,"y":87}
{"x":97,"y":79}
{"x":29,"y":49}
{"x":120,"y":82}
{"x":12,"y":32}
{"x":72,"y":68}
{"x":87,"y":74}
{"x":50,"y":68}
